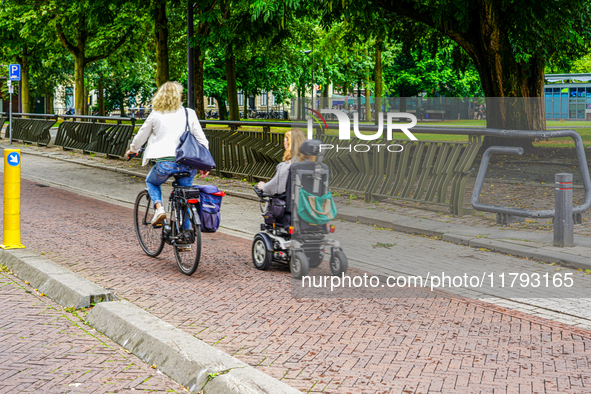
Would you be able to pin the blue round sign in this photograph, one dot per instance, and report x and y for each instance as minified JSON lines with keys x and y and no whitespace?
{"x":14,"y":159}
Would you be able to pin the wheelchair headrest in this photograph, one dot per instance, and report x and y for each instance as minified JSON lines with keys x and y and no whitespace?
{"x":310,"y":147}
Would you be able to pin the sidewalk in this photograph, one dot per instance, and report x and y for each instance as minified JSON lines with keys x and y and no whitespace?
{"x":524,"y":188}
{"x":46,"y":348}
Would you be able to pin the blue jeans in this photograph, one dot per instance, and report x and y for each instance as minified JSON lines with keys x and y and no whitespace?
{"x":161,"y":171}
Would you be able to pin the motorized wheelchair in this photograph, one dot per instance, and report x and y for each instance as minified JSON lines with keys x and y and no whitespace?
{"x":285,"y":236}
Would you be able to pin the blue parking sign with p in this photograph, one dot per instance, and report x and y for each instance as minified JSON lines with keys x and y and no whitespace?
{"x":14,"y":72}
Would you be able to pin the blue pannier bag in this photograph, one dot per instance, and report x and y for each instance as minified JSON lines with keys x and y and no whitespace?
{"x":210,"y":202}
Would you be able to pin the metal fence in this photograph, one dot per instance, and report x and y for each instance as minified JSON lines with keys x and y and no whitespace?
{"x":432,"y":172}
{"x":87,"y":134}
{"x":248,"y":154}
{"x":32,"y":128}
{"x":424,"y":171}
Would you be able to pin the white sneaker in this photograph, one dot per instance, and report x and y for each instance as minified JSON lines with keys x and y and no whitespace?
{"x":159,"y":216}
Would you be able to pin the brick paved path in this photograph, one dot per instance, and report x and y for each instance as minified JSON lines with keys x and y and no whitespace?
{"x":44,"y":349}
{"x":323,"y":345}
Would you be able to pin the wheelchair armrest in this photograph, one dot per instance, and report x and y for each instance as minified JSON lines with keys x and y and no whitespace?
{"x":261,"y":194}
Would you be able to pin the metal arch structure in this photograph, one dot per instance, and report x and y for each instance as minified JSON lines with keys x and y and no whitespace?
{"x":544,"y":213}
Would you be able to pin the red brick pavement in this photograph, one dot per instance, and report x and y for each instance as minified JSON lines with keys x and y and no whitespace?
{"x":326,"y":345}
{"x":44,"y":349}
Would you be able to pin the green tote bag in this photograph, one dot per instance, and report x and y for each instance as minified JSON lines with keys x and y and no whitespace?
{"x":316,"y":209}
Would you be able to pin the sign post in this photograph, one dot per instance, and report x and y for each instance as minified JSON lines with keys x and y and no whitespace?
{"x":14,"y":74}
{"x":12,"y":200}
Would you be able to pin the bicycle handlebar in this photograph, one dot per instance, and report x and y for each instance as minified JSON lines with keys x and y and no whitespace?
{"x":135,"y":154}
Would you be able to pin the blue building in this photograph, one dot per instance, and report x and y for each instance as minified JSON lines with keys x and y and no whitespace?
{"x":568,"y":96}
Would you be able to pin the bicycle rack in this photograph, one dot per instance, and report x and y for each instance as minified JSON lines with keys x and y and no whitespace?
{"x":544,"y":213}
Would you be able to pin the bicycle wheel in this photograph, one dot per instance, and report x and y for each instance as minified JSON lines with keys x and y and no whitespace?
{"x":188,"y":254}
{"x":149,"y":237}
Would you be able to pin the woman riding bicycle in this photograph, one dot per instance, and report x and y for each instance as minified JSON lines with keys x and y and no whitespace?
{"x":163,"y":129}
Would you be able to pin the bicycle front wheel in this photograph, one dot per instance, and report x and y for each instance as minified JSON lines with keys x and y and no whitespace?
{"x":149,"y":237}
{"x":188,"y":253}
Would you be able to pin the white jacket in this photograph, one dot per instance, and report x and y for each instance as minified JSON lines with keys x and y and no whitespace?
{"x":163,"y":132}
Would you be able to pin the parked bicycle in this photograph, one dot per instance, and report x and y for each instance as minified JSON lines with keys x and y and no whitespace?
{"x":211,"y":115}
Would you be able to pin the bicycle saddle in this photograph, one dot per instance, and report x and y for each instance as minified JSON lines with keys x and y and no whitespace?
{"x":179,"y":175}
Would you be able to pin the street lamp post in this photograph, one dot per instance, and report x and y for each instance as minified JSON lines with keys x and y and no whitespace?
{"x":307,"y":52}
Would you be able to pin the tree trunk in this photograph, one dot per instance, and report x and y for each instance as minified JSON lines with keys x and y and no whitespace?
{"x":87,"y":110}
{"x":79,"y":84}
{"x":245,"y":103}
{"x":49,"y":103}
{"x":122,"y":106}
{"x":232,"y":87}
{"x":222,"y":107}
{"x":346,"y":95}
{"x":367,"y":103}
{"x":101,"y":97}
{"x":514,"y":97}
{"x":302,"y":103}
{"x":378,"y":79}
{"x":485,"y":39}
{"x":25,"y":94}
{"x":514,"y":90}
{"x":199,"y":89}
{"x":161,"y":39}
{"x":359,"y":100}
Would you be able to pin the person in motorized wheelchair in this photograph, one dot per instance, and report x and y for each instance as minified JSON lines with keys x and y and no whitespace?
{"x":296,"y":222}
{"x":276,"y":210}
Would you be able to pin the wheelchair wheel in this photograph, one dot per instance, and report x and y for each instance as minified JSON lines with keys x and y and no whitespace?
{"x":261,"y":256}
{"x":299,"y":265}
{"x":338,"y":263}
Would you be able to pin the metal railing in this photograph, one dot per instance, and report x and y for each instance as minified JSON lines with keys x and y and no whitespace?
{"x":544,"y":213}
{"x":32,"y":128}
{"x":94,"y":134}
{"x":432,"y":172}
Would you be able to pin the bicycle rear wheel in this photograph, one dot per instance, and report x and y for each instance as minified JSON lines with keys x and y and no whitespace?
{"x":188,"y":255}
{"x":149,"y":237}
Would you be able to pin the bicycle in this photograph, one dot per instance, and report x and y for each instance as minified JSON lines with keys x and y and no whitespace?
{"x":183,"y":205}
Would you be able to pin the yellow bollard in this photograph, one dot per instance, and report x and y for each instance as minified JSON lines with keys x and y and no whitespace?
{"x":12,"y":200}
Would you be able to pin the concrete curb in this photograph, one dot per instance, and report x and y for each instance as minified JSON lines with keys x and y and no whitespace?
{"x":547,"y":256}
{"x":186,"y":359}
{"x":60,"y":284}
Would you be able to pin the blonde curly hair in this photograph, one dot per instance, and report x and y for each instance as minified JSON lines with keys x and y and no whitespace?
{"x":295,"y":139}
{"x":168,"y":98}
